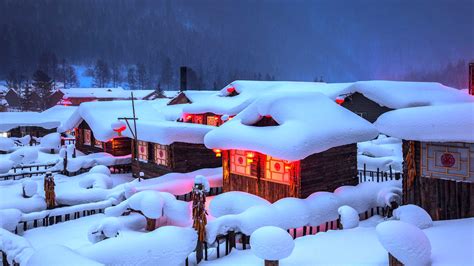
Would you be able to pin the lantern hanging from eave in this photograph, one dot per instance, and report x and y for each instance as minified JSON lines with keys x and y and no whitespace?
{"x":218,"y":152}
{"x":288,"y":165}
{"x":340,"y":100}
{"x":118,"y":126}
{"x":250,"y":155}
{"x":230,"y":90}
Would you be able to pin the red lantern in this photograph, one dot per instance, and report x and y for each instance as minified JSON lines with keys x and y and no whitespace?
{"x":288,"y":165}
{"x":119,"y":127}
{"x":218,"y":152}
{"x":339,"y":100}
{"x":230,"y":90}
{"x":250,"y":156}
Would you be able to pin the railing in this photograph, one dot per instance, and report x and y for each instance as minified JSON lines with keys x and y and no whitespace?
{"x":31,"y":170}
{"x":213,"y":191}
{"x":365,"y":175}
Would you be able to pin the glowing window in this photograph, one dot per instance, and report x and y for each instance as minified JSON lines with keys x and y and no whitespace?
{"x":275,"y":169}
{"x":239,"y":164}
{"x":161,"y":155}
{"x":198,"y":119}
{"x":98,"y":143}
{"x":213,"y":120}
{"x":87,"y":137}
{"x":142,"y":151}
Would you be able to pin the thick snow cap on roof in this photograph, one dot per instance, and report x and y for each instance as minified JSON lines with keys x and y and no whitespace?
{"x":100,"y":116}
{"x":248,"y":90}
{"x":10,"y":120}
{"x":101,"y":93}
{"x":308,"y":123}
{"x":167,"y":132}
{"x":444,"y":123}
{"x":403,"y":94}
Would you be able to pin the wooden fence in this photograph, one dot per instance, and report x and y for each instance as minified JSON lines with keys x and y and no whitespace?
{"x":365,"y":175}
{"x":213,"y":191}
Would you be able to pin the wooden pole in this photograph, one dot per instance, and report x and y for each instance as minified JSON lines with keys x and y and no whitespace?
{"x":49,"y":190}
{"x":271,"y":262}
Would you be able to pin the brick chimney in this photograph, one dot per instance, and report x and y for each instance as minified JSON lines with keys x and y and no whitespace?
{"x":183,"y":78}
{"x":471,"y":78}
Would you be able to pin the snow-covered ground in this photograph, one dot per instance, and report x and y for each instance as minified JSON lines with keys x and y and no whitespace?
{"x":381,"y":153}
{"x":451,"y":242}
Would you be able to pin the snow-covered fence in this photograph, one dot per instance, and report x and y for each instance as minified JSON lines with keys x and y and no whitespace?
{"x":58,"y":215}
{"x":365,"y":175}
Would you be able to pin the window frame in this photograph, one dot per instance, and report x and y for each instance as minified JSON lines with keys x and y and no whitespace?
{"x":87,"y":137}
{"x":160,"y":161}
{"x":143,"y":157}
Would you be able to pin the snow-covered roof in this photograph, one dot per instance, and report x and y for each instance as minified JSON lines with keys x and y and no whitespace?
{"x":10,"y":120}
{"x":308,"y":123}
{"x":444,"y":123}
{"x":59,"y":113}
{"x":248,"y":90}
{"x":404,"y":94}
{"x":101,"y":93}
{"x":167,"y":132}
{"x":101,"y":115}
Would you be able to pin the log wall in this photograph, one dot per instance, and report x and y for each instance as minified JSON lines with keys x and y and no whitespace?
{"x":443,"y":199}
{"x":19,"y":132}
{"x":361,"y":105}
{"x":120,"y":146}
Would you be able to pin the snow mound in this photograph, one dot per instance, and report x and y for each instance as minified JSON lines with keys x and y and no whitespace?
{"x":414,"y":215}
{"x":59,"y":255}
{"x":202,"y":180}
{"x":30,"y":187}
{"x":24,"y":155}
{"x":6,"y":144}
{"x":5,"y":165}
{"x":234,"y":202}
{"x":10,"y":219}
{"x":96,"y":180}
{"x":349,"y":217}
{"x":271,"y":243}
{"x":15,"y":247}
{"x":167,"y":245}
{"x":51,"y":141}
{"x":406,"y":242}
{"x":150,"y":203}
{"x":107,"y":228}
{"x":24,"y":140}
{"x":101,"y":169}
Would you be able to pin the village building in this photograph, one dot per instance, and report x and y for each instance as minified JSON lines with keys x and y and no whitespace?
{"x":438,"y":148}
{"x":290,"y":145}
{"x":370,"y":99}
{"x":168,"y":146}
{"x":97,"y":126}
{"x":76,"y":96}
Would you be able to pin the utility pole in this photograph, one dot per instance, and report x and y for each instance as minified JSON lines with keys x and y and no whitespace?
{"x":134,"y":134}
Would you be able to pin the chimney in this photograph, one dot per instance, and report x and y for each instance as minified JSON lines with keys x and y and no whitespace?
{"x":471,"y":78}
{"x":183,"y":78}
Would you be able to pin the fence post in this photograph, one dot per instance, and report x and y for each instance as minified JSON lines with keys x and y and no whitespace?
{"x":199,"y":215}
{"x":365,"y":172}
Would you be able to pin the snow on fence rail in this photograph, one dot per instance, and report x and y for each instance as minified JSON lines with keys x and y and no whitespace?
{"x":58,"y":215}
{"x":365,"y":175}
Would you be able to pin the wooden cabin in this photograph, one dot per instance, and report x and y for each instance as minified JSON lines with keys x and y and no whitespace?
{"x":438,"y":150}
{"x":167,"y":146}
{"x":87,"y":143}
{"x":291,"y":154}
{"x":363,"y":106}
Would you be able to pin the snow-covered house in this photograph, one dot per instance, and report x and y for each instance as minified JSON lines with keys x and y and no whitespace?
{"x":170,"y":146}
{"x":19,"y":124}
{"x":370,"y":99}
{"x":438,"y":147}
{"x":97,"y":128}
{"x":290,"y":145}
{"x":76,"y":96}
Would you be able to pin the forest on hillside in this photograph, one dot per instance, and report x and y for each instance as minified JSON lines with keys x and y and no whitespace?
{"x":227,"y":40}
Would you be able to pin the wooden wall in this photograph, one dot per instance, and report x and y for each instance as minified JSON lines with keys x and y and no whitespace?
{"x":361,"y":105}
{"x":329,"y":170}
{"x":121,"y":145}
{"x":184,"y":158}
{"x":32,"y":131}
{"x":442,"y":198}
{"x":323,"y":171}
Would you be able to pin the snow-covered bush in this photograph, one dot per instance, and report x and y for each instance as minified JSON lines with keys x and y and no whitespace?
{"x":51,"y":141}
{"x":6,"y":144}
{"x":101,"y":169}
{"x":24,"y":155}
{"x":271,"y":243}
{"x":234,"y":202}
{"x":5,"y":165}
{"x":25,"y":141}
{"x":107,"y":228}
{"x":30,"y":188}
{"x":10,"y":219}
{"x":414,"y":215}
{"x":349,"y":217}
{"x":168,"y":245}
{"x":406,"y":242}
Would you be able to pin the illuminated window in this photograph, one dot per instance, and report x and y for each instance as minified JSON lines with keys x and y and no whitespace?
{"x":213,"y":120}
{"x":161,"y":155}
{"x":98,"y":143}
{"x":239,"y":164}
{"x":275,"y":169}
{"x":198,"y":119}
{"x":87,"y":137}
{"x":142,"y":151}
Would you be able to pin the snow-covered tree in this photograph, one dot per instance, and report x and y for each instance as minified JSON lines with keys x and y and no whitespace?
{"x":101,"y":74}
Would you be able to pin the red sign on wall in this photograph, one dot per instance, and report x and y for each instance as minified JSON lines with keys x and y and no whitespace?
{"x":448,"y":160}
